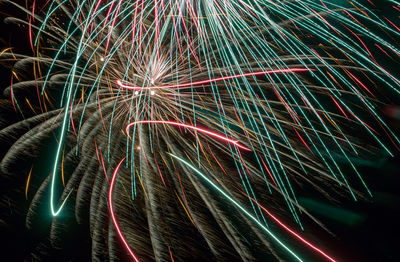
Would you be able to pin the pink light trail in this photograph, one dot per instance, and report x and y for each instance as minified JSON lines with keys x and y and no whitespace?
{"x":292,"y":232}
{"x":202,"y":82}
{"x":235,"y":142}
{"x":110,"y":202}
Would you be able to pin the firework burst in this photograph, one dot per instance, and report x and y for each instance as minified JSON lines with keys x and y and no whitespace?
{"x":184,"y":128}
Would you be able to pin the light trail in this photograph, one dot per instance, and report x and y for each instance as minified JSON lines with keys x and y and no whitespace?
{"x":202,"y":82}
{"x":111,"y":205}
{"x":232,"y":141}
{"x":237,"y":205}
{"x":292,"y":232}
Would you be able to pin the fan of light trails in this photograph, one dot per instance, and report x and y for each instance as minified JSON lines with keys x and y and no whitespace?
{"x":165,"y":43}
{"x":292,"y":82}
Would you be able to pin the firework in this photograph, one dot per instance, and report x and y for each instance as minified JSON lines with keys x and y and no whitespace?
{"x":184,"y":128}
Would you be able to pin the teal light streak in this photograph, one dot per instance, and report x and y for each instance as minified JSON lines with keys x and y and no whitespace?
{"x":62,"y":135}
{"x":237,"y":205}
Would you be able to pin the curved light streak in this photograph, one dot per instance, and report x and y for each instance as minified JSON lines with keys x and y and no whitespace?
{"x":232,"y":141}
{"x":292,"y":232}
{"x":111,"y":205}
{"x":202,"y":82}
{"x":237,"y":205}
{"x":65,"y":120}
